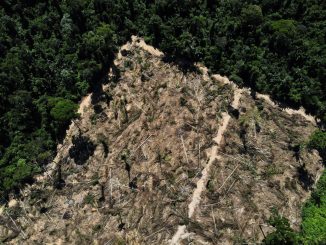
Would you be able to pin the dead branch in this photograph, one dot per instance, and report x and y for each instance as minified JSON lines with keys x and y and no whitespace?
{"x":19,"y":229}
{"x":228,"y":177}
{"x":143,"y":143}
{"x":184,"y":148}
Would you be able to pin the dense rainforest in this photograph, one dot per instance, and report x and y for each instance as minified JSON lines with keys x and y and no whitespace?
{"x":53,"y":52}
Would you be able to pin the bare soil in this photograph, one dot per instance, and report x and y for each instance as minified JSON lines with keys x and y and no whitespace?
{"x":173,"y":157}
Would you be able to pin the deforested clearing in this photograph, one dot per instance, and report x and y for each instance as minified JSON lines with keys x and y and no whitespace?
{"x":162,"y":155}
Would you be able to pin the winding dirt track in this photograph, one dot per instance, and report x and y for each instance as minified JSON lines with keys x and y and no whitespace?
{"x":214,"y":153}
{"x":289,"y":111}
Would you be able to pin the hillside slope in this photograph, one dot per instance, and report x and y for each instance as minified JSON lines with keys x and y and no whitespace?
{"x":162,"y":156}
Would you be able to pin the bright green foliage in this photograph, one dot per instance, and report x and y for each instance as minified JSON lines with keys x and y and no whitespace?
{"x":287,"y":27}
{"x":314,"y":215}
{"x":313,"y":228}
{"x":64,"y":110}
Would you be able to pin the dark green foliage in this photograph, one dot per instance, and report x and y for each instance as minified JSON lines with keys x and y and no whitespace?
{"x":251,"y":15}
{"x":12,"y":175}
{"x":313,"y":227}
{"x":51,"y":54}
{"x":318,"y":141}
{"x":276,"y":47}
{"x":54,"y":52}
{"x":283,"y":234}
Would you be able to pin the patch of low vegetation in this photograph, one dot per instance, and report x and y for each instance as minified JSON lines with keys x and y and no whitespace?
{"x":89,"y":199}
{"x":313,"y":227}
{"x":284,"y":234}
{"x":272,"y":170}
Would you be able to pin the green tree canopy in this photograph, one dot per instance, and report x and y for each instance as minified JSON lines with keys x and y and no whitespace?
{"x":64,"y":110}
{"x":14,"y":174}
{"x":252,"y":15}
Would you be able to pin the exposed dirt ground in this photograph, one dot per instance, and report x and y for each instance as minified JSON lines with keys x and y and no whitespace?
{"x":160,"y":156}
